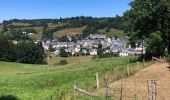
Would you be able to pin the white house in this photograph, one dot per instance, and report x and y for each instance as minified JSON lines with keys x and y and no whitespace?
{"x":46,"y":46}
{"x":97,"y":36}
{"x":123,"y":54}
{"x":31,"y":33}
{"x":57,"y":52}
{"x":77,"y":49}
{"x":93,"y":52}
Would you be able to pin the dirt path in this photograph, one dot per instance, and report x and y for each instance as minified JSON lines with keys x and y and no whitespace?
{"x":135,"y":87}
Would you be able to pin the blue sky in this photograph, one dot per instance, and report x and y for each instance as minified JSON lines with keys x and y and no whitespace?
{"x":35,"y":9}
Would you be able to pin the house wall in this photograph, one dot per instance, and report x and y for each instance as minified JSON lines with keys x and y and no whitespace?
{"x":122,"y":54}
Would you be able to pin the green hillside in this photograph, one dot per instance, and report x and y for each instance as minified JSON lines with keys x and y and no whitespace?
{"x":56,"y":28}
{"x":39,"y":31}
{"x":113,"y":33}
{"x":68,"y":31}
{"x":41,"y":82}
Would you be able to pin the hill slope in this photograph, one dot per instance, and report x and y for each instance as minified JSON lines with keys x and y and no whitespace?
{"x":41,"y":81}
{"x":68,"y":31}
{"x":136,"y":85}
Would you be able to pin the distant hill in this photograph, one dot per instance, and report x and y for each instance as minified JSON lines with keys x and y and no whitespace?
{"x":56,"y":28}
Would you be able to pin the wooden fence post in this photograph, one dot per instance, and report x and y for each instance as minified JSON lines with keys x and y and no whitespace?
{"x":128,"y":73}
{"x":121,"y":88}
{"x":97,"y":81}
{"x":75,"y":87}
{"x":108,"y":95}
{"x":153,"y":82}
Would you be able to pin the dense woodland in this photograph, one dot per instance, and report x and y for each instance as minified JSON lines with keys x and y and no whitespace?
{"x":24,"y":52}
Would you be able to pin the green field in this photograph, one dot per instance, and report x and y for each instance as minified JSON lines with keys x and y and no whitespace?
{"x":39,"y":31}
{"x":41,"y":82}
{"x":113,"y":32}
{"x":71,"y":60}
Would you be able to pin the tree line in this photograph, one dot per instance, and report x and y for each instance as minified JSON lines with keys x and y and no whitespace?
{"x":93,"y":24}
{"x":24,"y":52}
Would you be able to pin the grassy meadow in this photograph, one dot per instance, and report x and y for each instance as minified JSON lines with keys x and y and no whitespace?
{"x":54,"y":61}
{"x":39,"y":34}
{"x":113,"y":33}
{"x":43,"y":82}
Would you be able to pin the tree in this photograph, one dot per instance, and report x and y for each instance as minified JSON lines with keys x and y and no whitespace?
{"x":47,"y":33}
{"x":148,"y":16}
{"x":51,"y":48}
{"x":7,"y":48}
{"x":88,"y":31}
{"x":63,"y":53}
{"x":4,"y":27}
{"x":155,"y":45}
{"x":100,"y":50}
{"x":30,"y":53}
{"x":168,"y":59}
{"x":64,"y":39}
{"x":107,"y":29}
{"x":23,"y":52}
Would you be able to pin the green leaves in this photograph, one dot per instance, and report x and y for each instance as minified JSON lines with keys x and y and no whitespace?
{"x":146,"y":18}
{"x":155,"y":45}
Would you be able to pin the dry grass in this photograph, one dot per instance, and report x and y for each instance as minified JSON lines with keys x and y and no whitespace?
{"x":68,"y":31}
{"x":52,"y":25}
{"x":71,"y":60}
{"x":135,"y":87}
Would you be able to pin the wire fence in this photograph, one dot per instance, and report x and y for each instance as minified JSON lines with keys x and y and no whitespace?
{"x":127,"y":87}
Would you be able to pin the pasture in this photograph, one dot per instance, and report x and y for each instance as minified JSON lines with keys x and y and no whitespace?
{"x":43,"y":82}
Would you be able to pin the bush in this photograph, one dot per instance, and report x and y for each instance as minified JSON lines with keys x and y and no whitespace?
{"x":63,"y":62}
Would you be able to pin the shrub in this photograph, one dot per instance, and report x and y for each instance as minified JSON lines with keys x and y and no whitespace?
{"x":63,"y":62}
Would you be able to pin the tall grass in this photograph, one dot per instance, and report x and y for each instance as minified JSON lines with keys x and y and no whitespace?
{"x":39,"y":82}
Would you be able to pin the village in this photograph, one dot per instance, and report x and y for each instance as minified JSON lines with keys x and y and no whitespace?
{"x":89,"y":46}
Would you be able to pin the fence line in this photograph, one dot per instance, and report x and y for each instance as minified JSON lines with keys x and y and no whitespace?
{"x":115,"y":76}
{"x":97,"y":81}
{"x":154,"y":58}
{"x":82,"y":91}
